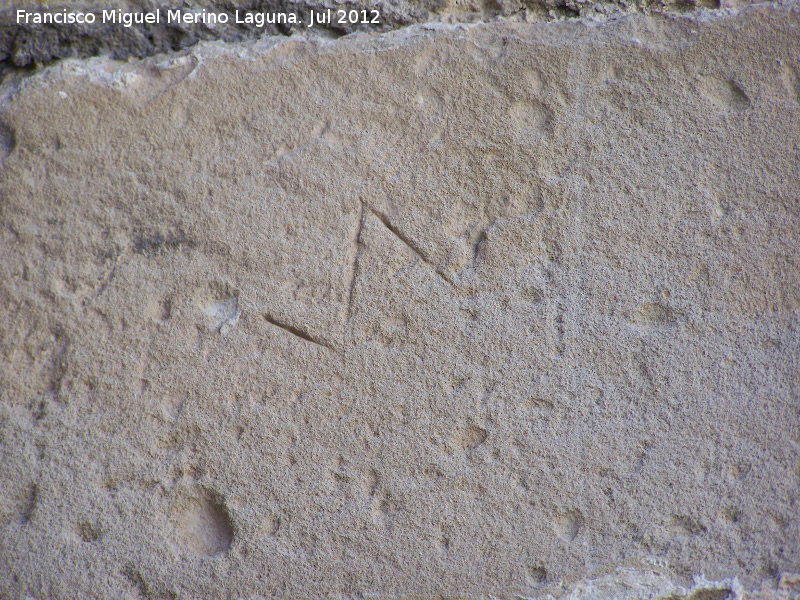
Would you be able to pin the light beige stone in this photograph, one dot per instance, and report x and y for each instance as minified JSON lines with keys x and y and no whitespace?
{"x":499,"y":310}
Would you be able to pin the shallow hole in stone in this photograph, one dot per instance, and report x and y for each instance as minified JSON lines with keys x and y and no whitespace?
{"x":204,"y":526}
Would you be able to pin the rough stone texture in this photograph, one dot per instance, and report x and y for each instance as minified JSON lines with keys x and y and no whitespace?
{"x":479,"y":311}
{"x":27,"y":45}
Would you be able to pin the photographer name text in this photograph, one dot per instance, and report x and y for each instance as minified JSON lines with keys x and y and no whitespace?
{"x":327,"y":17}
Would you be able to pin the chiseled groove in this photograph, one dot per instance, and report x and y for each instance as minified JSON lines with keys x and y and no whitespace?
{"x":303,"y":335}
{"x":354,"y":274}
{"x":410,"y":243}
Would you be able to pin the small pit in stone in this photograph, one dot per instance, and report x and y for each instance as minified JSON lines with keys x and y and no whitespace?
{"x":87,"y":532}
{"x":220,"y":305}
{"x":569,"y":525}
{"x":466,"y":440}
{"x":8,"y":141}
{"x":654,"y":314}
{"x":203,"y":526}
{"x":537,"y":574}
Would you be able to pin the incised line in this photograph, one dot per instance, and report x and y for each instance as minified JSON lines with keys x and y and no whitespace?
{"x":354,"y":273}
{"x":408,"y":242}
{"x":303,"y":335}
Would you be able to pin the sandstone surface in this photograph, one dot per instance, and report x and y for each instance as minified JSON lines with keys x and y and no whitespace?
{"x":498,"y":310}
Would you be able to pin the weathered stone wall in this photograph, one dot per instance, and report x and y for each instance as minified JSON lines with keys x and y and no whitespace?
{"x":459,"y":311}
{"x":24,"y":44}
